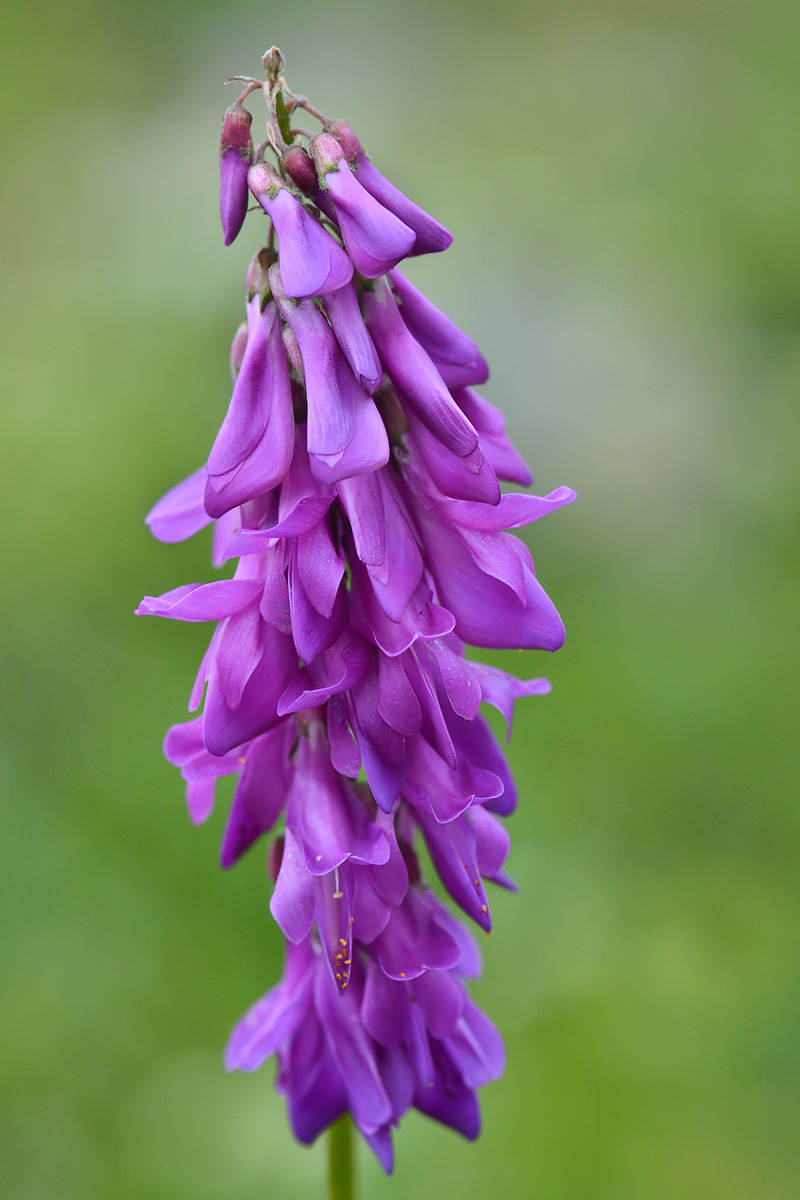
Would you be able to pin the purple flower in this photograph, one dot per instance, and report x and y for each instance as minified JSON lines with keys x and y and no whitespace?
{"x":430,"y":235}
{"x":354,"y":483}
{"x":311,"y":261}
{"x":374,"y":237}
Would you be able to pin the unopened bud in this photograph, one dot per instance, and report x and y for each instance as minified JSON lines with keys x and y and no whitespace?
{"x":346,"y":139}
{"x":273,"y":61}
{"x":236,"y":131}
{"x":300,"y":168}
{"x":236,"y":153}
{"x":263,"y":180}
{"x":327,"y":154}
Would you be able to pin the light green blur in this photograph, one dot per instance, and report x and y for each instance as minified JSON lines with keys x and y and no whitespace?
{"x":622,"y":181}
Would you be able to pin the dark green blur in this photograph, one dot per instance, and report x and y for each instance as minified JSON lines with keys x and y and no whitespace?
{"x":622,"y":181}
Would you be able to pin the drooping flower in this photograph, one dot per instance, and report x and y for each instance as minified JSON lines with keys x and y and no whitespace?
{"x":355,"y":479}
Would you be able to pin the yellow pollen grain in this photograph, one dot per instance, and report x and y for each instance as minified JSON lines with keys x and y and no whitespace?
{"x":338,"y":976}
{"x":347,"y":962}
{"x":484,"y":908}
{"x":342,"y":942}
{"x":402,"y":974}
{"x":242,"y":761}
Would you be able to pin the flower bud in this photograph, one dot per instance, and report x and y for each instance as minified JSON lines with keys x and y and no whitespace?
{"x":300,"y":168}
{"x":375,"y":239}
{"x":236,"y":153}
{"x":312,"y":263}
{"x":346,"y":139}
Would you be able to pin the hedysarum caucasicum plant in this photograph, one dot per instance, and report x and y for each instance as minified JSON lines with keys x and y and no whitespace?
{"x":354,"y":482}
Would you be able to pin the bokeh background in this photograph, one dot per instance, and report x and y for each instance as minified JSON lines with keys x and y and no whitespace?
{"x":622,"y":181}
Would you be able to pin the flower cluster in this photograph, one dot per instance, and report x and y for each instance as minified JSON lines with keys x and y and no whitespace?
{"x":354,"y":480}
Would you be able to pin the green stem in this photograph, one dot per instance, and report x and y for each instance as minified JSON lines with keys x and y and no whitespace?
{"x":341,"y":1160}
{"x":282,"y":114}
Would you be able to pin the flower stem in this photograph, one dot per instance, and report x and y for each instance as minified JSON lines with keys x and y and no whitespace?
{"x":341,"y":1160}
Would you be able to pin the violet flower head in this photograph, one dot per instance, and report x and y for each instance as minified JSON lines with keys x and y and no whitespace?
{"x":355,"y":484}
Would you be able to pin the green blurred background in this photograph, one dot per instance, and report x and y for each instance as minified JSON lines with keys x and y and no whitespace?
{"x":622,"y":181}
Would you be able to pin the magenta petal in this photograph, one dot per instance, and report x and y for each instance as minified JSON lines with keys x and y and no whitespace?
{"x":370,"y":912}
{"x":200,"y":795}
{"x":514,"y":509}
{"x":353,"y":337}
{"x":506,"y":461}
{"x":250,"y":404}
{"x":397,"y":701}
{"x":430,"y":236}
{"x":460,"y":683}
{"x":367,"y":451}
{"x":312,"y":263}
{"x":362,"y":500}
{"x":353,"y":1054}
{"x":332,"y":390}
{"x":319,"y":568}
{"x":180,"y":513}
{"x":487,"y":612}
{"x":233,"y":193}
{"x":458,"y":359}
{"x":239,"y":650}
{"x":310,"y":1079}
{"x":202,"y":601}
{"x":382,"y":1010}
{"x":414,"y":374}
{"x":260,"y":794}
{"x":441,"y":998}
{"x":374,"y":237}
{"x":501,"y":690}
{"x":380,"y":1143}
{"x":476,"y":1048}
{"x":345,"y":755}
{"x":447,"y":1099}
{"x":491,"y":841}
{"x":324,"y":813}
{"x":292,"y":903}
{"x":312,"y":631}
{"x":467,"y":478}
{"x":475,"y":744}
{"x":224,"y":727}
{"x":390,"y":880}
{"x":267,"y":464}
{"x":414,"y":941}
{"x":334,"y":671}
{"x":422,"y":618}
{"x":274,"y":1017}
{"x":402,"y":569}
{"x":452,"y":851}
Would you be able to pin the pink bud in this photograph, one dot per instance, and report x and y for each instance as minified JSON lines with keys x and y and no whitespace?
{"x":346,"y":139}
{"x":236,"y":152}
{"x":300,"y":168}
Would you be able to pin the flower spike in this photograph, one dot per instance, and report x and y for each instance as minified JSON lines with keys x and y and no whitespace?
{"x":354,"y":484}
